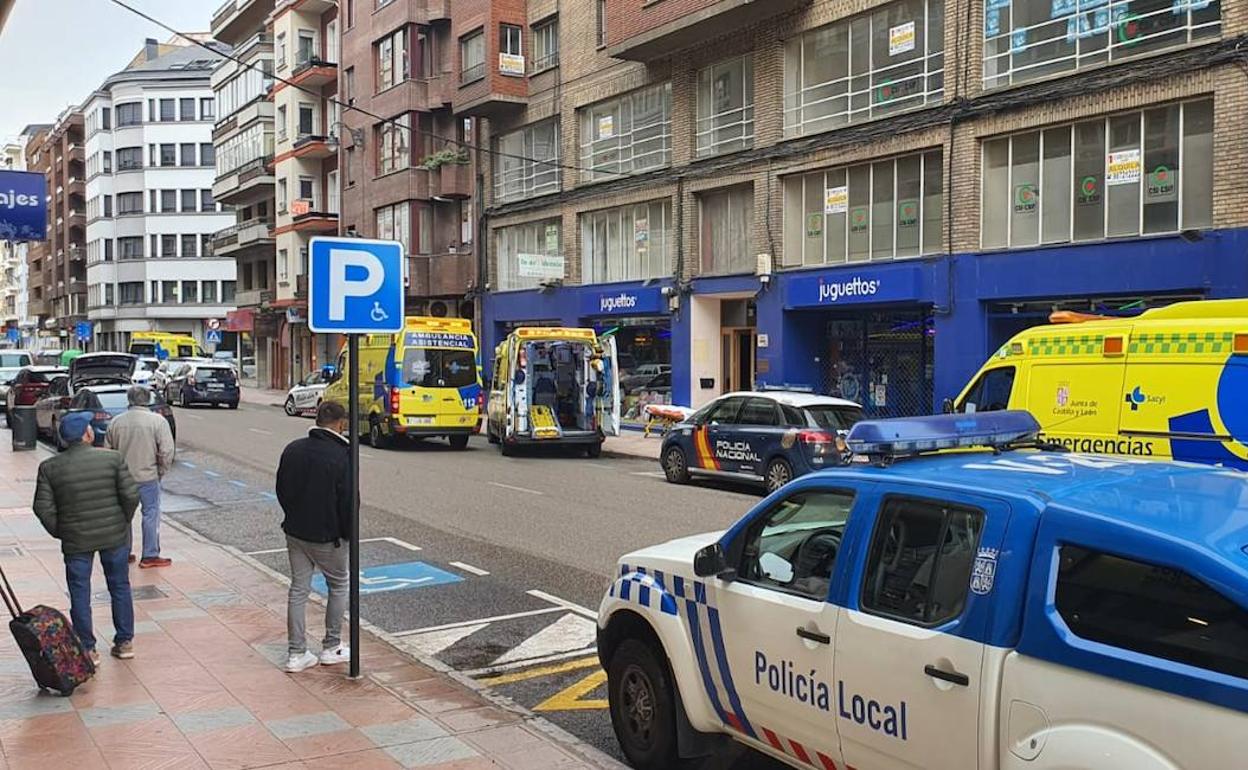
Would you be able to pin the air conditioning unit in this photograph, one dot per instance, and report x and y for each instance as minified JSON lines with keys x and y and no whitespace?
{"x":438,"y":309}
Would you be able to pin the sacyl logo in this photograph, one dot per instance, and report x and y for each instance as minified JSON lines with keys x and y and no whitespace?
{"x":12,"y":199}
{"x":621,"y":301}
{"x":855,"y":287}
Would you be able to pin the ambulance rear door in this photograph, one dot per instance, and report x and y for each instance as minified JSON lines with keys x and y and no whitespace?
{"x":609,"y":397}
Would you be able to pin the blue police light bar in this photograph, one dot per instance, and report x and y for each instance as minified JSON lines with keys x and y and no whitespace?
{"x":904,"y":436}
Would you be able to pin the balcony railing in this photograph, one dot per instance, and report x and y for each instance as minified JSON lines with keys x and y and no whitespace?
{"x":470,"y":74}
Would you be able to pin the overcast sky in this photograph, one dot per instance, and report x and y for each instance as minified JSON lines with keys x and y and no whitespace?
{"x":53,"y":53}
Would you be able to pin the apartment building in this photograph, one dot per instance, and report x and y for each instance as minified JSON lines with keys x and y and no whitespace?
{"x":150,"y":210}
{"x":864,"y":198}
{"x":12,"y":259}
{"x":243,"y":141}
{"x":305,"y":168}
{"x":57,"y":271}
{"x":406,"y":174}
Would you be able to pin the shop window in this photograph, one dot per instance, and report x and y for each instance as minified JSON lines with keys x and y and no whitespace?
{"x":528,"y":162}
{"x":394,"y":223}
{"x":529,"y":254}
{"x":626,"y":135}
{"x":886,"y":209}
{"x":1029,"y":39}
{"x":1150,"y":609}
{"x":727,"y":220}
{"x":874,"y":64}
{"x":726,"y":107}
{"x":1113,"y":177}
{"x":627,"y":243}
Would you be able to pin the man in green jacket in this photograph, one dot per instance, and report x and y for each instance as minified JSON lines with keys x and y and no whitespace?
{"x":86,"y":498}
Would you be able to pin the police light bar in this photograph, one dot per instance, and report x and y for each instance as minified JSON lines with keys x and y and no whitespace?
{"x":904,"y":436}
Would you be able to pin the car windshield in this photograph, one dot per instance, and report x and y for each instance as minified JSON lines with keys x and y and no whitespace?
{"x":7,"y":375}
{"x":834,"y":417}
{"x":437,"y":368}
{"x":14,"y":360}
{"x":150,"y":365}
{"x":143,"y":348}
{"x":112,"y":400}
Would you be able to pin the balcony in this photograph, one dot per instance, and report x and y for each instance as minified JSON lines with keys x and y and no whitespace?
{"x":237,"y":20}
{"x":301,"y":286}
{"x":249,"y":234}
{"x":314,"y":73}
{"x":305,"y":220}
{"x":441,"y":275}
{"x":661,"y":29}
{"x":248,"y":183}
{"x":315,"y":146}
{"x":77,"y":254}
{"x":452,"y":181}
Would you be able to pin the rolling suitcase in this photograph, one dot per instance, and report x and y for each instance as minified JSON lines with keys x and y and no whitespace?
{"x":56,"y":657}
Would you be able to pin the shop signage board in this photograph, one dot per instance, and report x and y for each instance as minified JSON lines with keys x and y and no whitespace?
{"x":23,"y":206}
{"x":853,"y":287}
{"x":540,"y":265}
{"x":646,"y":300}
{"x":1123,"y":167}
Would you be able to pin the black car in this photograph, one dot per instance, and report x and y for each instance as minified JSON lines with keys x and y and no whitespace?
{"x":203,"y":382}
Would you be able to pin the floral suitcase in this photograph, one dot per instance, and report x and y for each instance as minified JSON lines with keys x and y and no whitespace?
{"x":45,"y":636}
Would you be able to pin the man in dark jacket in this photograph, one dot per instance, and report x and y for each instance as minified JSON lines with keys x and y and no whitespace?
{"x":86,"y":498}
{"x":314,"y":490}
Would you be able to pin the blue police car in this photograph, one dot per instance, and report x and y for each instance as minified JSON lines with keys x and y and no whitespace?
{"x":770,"y":437}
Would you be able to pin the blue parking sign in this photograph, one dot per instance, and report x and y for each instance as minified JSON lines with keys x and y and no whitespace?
{"x":355,"y":286}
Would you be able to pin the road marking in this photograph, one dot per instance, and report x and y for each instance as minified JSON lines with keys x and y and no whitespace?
{"x":390,"y":540}
{"x":237,"y":483}
{"x":573,"y":698}
{"x":261,"y":431}
{"x":568,"y":633}
{"x":540,"y":671}
{"x":213,"y":474}
{"x":269,"y":495}
{"x":651,"y":474}
{"x":433,"y":642}
{"x":469,"y":568}
{"x":459,"y":624}
{"x":369,"y":456}
{"x":270,"y":550}
{"x":567,"y":605}
{"x":188,"y":465}
{"x":526,"y":490}
{"x":190,"y":416}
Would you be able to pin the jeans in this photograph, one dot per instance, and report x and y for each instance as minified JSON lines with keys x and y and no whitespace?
{"x":149,"y":499}
{"x":332,"y":561}
{"x":117,"y":575}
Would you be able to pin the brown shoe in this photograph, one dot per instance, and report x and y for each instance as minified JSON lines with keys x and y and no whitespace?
{"x":155,"y":561}
{"x":123,"y":651}
{"x":131,"y":559}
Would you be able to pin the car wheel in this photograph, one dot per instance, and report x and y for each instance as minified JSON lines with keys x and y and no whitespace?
{"x":233,"y":405}
{"x":675,"y":465}
{"x":376,"y":436}
{"x":489,"y":434}
{"x":508,"y":450}
{"x":643,"y":706}
{"x":289,"y":406}
{"x":779,"y":473}
{"x":459,"y":442}
{"x":594,"y":451}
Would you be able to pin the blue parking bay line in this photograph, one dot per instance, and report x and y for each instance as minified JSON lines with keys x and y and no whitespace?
{"x":395,"y":577}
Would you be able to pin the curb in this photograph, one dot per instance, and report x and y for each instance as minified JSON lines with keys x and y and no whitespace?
{"x":567,"y":739}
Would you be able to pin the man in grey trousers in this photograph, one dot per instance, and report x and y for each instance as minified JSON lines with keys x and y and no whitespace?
{"x":314,"y":490}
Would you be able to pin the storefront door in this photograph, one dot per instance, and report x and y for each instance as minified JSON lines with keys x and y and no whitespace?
{"x":739,"y":347}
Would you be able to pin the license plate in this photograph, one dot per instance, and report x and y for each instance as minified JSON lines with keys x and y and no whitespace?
{"x":420,"y":421}
{"x":215,"y":386}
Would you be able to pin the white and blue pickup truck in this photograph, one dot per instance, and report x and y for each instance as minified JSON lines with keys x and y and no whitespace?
{"x":1009,"y":607}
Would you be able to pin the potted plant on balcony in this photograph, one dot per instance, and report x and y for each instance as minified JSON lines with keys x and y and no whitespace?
{"x":441,"y":158}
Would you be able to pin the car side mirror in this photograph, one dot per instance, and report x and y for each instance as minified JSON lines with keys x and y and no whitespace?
{"x":710,"y":561}
{"x":946,"y":406}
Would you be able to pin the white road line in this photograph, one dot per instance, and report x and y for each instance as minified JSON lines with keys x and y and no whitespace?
{"x":270,"y":550}
{"x":570,"y":633}
{"x":186,"y":416}
{"x":567,"y":605}
{"x":477,"y":673}
{"x":369,"y":456}
{"x":513,"y":488}
{"x":469,"y":568}
{"x":475,"y":621}
{"x":390,"y":540}
{"x":261,"y":431}
{"x":212,"y":474}
{"x":651,"y":474}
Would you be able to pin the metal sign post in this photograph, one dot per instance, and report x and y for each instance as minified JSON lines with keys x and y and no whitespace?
{"x":355,"y":286}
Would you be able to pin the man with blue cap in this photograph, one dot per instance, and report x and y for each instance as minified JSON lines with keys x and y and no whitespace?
{"x":85,"y":497}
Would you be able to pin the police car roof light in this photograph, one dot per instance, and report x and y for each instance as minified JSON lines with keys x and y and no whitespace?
{"x":904,"y":436}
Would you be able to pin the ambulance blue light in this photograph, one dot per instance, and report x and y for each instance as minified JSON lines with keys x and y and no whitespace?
{"x":913,"y":435}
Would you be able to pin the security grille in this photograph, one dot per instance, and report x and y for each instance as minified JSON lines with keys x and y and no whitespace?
{"x":881,"y":360}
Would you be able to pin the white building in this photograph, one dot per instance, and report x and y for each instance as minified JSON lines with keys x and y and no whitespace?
{"x":150,"y":210}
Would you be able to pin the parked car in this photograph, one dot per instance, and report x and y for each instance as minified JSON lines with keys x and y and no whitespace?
{"x":643,"y":374}
{"x":203,"y":382}
{"x":248,"y":367}
{"x":102,"y":369}
{"x":51,"y":405}
{"x":107,"y":401}
{"x":11,"y":362}
{"x":306,"y":396}
{"x":145,"y":373}
{"x":27,"y":387}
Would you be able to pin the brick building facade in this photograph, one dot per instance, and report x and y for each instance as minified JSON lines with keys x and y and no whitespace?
{"x":918,"y":180}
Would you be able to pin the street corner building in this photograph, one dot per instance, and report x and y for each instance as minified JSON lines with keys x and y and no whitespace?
{"x":866,"y":199}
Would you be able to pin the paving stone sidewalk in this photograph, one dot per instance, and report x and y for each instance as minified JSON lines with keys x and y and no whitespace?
{"x":206,"y":688}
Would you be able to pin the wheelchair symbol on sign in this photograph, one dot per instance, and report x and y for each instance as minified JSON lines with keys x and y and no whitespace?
{"x":377,"y":313}
{"x":376,"y":585}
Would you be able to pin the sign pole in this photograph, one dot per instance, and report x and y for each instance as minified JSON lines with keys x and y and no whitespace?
{"x":353,"y":412}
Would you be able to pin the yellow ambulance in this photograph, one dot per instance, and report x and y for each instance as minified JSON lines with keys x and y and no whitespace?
{"x":424,"y":382}
{"x":164,"y":345}
{"x":1169,"y":383}
{"x":554,"y":385}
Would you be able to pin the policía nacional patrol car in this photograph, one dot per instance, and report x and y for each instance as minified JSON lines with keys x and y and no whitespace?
{"x":770,"y":437}
{"x":1012,"y":608}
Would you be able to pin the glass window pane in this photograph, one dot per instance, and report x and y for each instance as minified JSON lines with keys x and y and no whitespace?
{"x":882,"y":201}
{"x":909,"y":191}
{"x":1198,"y":164}
{"x":1090,"y":180}
{"x":933,"y":202}
{"x":835,"y":223}
{"x":1055,"y":198}
{"x":1122,"y":175}
{"x":814,"y":224}
{"x":1161,"y":169}
{"x":1025,"y":190}
{"x":859,"y":213}
{"x":794,"y":220}
{"x":994,"y":225}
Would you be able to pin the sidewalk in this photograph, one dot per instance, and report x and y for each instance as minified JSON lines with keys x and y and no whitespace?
{"x":206,"y":688}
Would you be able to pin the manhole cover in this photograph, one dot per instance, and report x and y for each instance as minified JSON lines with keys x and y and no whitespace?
{"x":141,"y":593}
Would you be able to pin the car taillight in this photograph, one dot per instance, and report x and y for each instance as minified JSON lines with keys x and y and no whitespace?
{"x":394,"y":401}
{"x":819,"y":441}
{"x":102,"y":417}
{"x":480,"y":400}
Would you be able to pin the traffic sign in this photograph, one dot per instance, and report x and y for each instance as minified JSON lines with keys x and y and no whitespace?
{"x":82,"y":331}
{"x":214,"y":337}
{"x":15,"y":335}
{"x":355,"y":286}
{"x":213,"y":323}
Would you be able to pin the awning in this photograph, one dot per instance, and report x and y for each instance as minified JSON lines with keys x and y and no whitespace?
{"x":242,"y":320}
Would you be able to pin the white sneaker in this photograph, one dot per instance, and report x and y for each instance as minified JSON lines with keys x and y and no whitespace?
{"x":301,"y":662}
{"x":335,"y":655}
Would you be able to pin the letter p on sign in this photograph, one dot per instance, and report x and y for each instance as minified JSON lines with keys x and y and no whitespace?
{"x":355,"y":286}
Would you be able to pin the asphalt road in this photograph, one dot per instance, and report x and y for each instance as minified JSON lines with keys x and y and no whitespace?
{"x":494,"y":566}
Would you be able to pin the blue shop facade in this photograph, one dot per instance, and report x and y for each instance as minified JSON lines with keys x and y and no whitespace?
{"x":895,"y":336}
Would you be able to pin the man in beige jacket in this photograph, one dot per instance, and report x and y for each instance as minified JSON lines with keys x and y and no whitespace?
{"x":146,"y":443}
